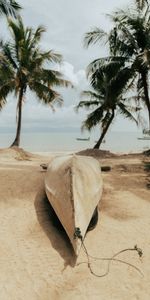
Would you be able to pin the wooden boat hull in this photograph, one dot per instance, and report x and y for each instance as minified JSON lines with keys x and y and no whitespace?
{"x":74,"y":187}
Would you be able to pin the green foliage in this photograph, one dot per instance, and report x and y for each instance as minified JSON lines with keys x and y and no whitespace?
{"x":94,"y":36}
{"x":129,"y":45}
{"x":130,"y":38}
{"x":110,"y":80}
{"x":9,"y":8}
{"x":141,"y":4}
{"x":22,"y":66}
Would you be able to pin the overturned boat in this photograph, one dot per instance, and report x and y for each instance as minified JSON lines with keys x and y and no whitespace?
{"x":73,"y":186}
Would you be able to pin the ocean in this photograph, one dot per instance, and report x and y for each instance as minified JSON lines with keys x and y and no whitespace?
{"x":118,"y":142}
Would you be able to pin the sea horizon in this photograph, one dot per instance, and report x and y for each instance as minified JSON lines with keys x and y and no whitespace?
{"x":115,"y":141}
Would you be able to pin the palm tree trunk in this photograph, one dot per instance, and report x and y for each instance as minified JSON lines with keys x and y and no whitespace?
{"x":147,"y":100}
{"x":97,"y":145}
{"x":17,"y":138}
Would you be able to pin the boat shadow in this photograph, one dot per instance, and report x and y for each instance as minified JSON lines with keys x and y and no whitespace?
{"x":53,"y":229}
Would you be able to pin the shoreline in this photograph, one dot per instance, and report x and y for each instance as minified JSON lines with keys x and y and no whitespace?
{"x":116,"y":142}
{"x":56,"y":152}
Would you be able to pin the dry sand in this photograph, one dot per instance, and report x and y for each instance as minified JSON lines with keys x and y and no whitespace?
{"x":36,"y":260}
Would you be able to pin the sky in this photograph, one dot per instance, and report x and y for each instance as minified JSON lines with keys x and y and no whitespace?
{"x":66,"y":22}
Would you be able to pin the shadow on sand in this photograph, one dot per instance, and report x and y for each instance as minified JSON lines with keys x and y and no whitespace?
{"x":147,"y":170}
{"x":117,"y":206}
{"x":53,"y":229}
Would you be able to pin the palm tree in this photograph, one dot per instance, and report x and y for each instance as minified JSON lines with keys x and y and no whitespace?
{"x":130,"y":40}
{"x":133,"y":42}
{"x":9,"y":8}
{"x":22,"y":66}
{"x":109,"y":84}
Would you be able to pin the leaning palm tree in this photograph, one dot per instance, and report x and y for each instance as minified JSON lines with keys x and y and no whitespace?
{"x":22,"y":67}
{"x":109,"y":84}
{"x":9,"y":8}
{"x":130,"y":40}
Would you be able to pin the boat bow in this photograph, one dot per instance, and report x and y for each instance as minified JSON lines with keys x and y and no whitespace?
{"x":74,"y":186}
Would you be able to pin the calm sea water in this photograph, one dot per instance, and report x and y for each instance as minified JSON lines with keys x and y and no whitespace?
{"x":47,"y":142}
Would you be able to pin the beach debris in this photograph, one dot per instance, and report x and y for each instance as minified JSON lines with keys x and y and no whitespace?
{"x":73,"y":185}
{"x":105,"y":168}
{"x":43,"y":166}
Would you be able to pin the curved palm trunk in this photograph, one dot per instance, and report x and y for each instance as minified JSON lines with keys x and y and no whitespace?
{"x":147,"y":100}
{"x":17,"y":138}
{"x":97,"y":145}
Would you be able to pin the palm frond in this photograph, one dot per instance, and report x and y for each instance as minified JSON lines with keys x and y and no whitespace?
{"x":91,"y":99}
{"x":32,"y":38}
{"x":44,"y":93}
{"x":9,"y":8}
{"x":121,"y":82}
{"x":17,"y":29}
{"x":87,"y":104}
{"x":141,"y":4}
{"x":49,"y":78}
{"x":38,"y":34}
{"x":144,"y":58}
{"x":94,"y":36}
{"x":132,"y":99}
{"x":8,"y":57}
{"x":54,"y":57}
{"x":2,"y":103}
{"x":5,"y":89}
{"x":93,"y":118}
{"x":109,"y":63}
{"x":39,"y":58}
{"x":92,"y":95}
{"x":126,"y":113}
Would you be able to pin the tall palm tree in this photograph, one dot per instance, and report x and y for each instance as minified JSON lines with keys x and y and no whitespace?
{"x":22,"y":66}
{"x":9,"y":8}
{"x":130,"y":40}
{"x":109,"y":84}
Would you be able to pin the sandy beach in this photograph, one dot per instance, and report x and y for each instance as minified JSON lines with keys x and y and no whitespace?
{"x":37,"y":261}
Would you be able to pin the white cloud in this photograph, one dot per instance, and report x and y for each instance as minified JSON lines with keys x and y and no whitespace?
{"x":77,"y":78}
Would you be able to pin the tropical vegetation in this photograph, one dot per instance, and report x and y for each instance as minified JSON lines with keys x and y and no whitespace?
{"x":9,"y":8}
{"x":119,"y":83}
{"x":132,"y":41}
{"x":129,"y":44}
{"x":109,"y":83}
{"x":23,"y":66}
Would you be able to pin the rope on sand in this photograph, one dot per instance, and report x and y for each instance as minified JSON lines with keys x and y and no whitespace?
{"x":138,"y":250}
{"x":113,"y":258}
